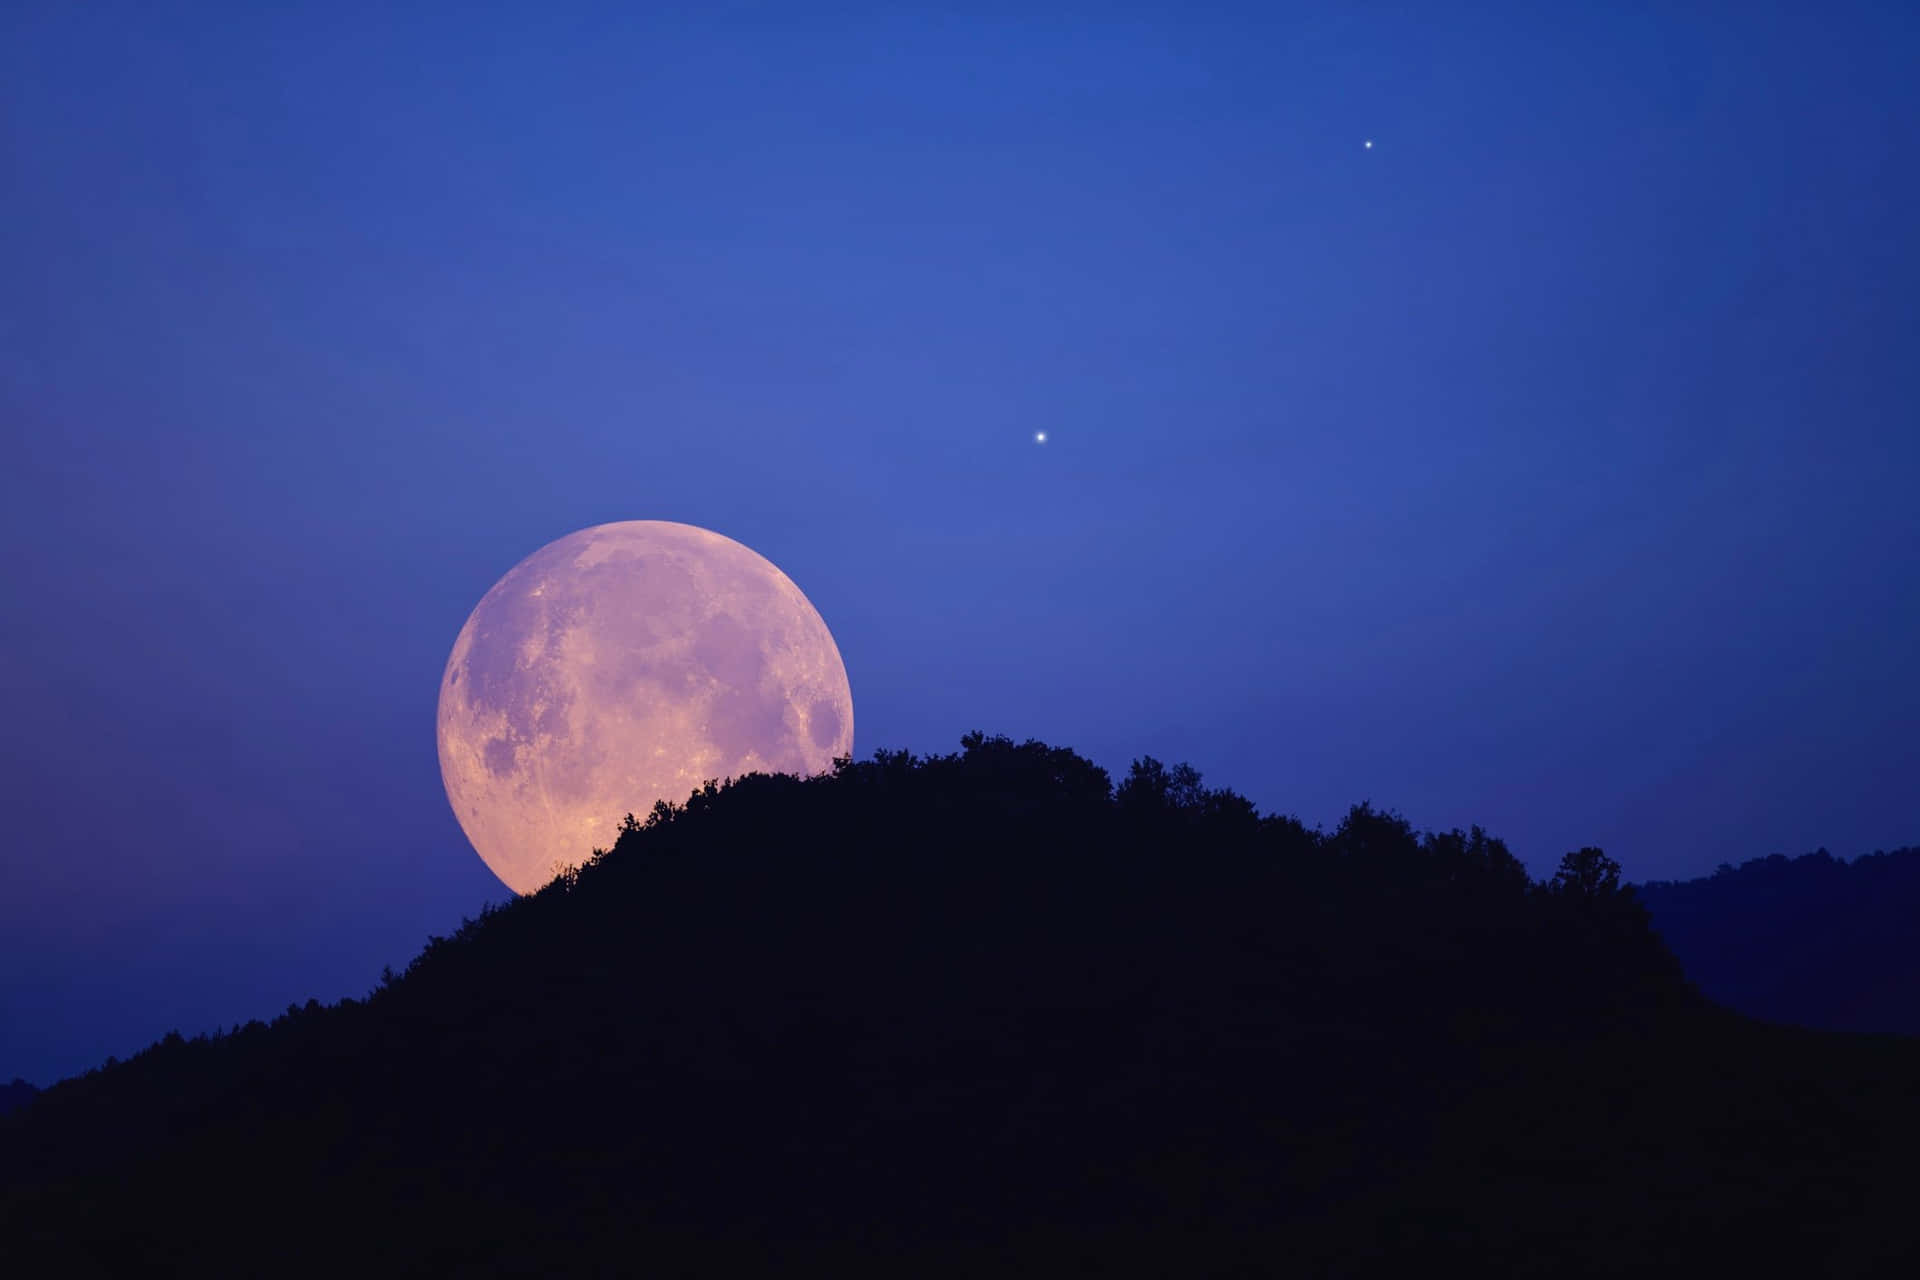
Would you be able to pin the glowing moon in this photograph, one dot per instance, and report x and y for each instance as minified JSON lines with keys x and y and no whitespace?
{"x":625,"y":664}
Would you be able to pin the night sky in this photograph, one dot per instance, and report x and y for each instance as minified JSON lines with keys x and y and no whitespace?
{"x":1550,"y":464}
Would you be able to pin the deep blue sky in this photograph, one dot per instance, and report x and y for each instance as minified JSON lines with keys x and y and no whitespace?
{"x":1551,"y":465}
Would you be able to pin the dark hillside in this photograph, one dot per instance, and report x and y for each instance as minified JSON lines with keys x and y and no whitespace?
{"x":984,"y":1014}
{"x":1813,"y":941}
{"x":16,"y":1095}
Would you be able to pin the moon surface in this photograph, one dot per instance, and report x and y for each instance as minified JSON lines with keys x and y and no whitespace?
{"x":624,"y":664}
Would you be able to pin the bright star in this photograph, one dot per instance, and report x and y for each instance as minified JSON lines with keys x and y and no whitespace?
{"x":1039,"y":437}
{"x":1369,"y":144}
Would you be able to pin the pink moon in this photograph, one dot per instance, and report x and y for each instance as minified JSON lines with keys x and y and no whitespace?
{"x":624,"y":664}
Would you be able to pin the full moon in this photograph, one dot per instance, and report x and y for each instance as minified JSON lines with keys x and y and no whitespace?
{"x":625,"y":664}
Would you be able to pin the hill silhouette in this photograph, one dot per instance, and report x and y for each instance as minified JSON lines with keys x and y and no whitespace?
{"x":16,"y":1095}
{"x":1815,"y":941}
{"x":985,"y":1013}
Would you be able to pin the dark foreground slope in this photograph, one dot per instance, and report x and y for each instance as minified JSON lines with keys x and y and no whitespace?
{"x":16,"y":1095}
{"x":981,"y":1016}
{"x":1814,"y":941}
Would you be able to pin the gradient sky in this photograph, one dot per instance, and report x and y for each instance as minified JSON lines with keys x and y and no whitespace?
{"x":1550,"y":465}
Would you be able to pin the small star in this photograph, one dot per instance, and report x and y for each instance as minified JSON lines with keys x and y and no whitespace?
{"x":1369,"y":144}
{"x":1039,"y":437}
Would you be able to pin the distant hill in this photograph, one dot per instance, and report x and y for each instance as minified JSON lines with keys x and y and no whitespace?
{"x":988,"y":1014}
{"x":1814,"y":941}
{"x":16,"y":1095}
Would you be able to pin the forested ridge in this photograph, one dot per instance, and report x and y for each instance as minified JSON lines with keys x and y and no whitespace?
{"x":986,"y":1013}
{"x":1815,"y":941}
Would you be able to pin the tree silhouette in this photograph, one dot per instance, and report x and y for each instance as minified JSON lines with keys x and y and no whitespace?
{"x":1587,"y":875}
